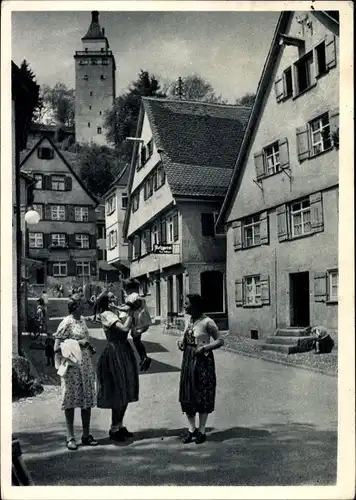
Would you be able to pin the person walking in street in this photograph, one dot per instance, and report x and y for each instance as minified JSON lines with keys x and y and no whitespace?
{"x":44,"y":297}
{"x":198,"y":379}
{"x":78,"y":382}
{"x":117,"y":372}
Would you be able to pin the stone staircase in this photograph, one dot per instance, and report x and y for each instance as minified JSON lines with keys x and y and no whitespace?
{"x":285,"y":340}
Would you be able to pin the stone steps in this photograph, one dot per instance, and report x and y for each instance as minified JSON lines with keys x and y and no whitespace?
{"x":284,"y":340}
{"x":277,"y":348}
{"x":290,"y":332}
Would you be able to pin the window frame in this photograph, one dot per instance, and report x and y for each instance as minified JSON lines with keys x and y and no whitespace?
{"x":274,"y":147}
{"x":135,"y":201}
{"x":330,"y":296}
{"x":170,"y":229}
{"x":154,"y":235}
{"x":82,"y":263}
{"x":35,"y":235}
{"x":59,"y":263}
{"x":301,"y":211}
{"x":112,"y":235}
{"x":253,"y":278}
{"x":311,"y":76}
{"x":40,"y":151}
{"x":82,"y":218}
{"x":60,"y":179}
{"x":124,"y":200}
{"x":60,"y":209}
{"x":320,"y":130}
{"x":111,"y":205}
{"x":253,"y":224}
{"x":40,"y":178}
{"x":61,"y":240}
{"x":99,"y":130}
{"x":81,"y":237}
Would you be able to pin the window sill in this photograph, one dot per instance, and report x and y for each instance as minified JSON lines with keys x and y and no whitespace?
{"x":312,"y":156}
{"x":300,"y":236}
{"x":251,"y":246}
{"x":304,"y":91}
{"x":252,"y":306}
{"x":111,"y":212}
{"x":332,"y":302}
{"x":267,"y":176}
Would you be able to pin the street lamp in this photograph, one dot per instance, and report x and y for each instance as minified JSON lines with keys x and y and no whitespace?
{"x":31,"y":216}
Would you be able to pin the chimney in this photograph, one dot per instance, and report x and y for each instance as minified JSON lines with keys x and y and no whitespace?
{"x":95,"y":16}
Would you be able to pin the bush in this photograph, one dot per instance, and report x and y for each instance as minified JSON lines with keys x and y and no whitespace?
{"x":23,"y":383}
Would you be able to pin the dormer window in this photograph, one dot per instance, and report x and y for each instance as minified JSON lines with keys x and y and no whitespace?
{"x":45,"y":153}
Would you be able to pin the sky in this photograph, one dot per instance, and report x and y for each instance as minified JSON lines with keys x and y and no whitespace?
{"x":226,"y":48}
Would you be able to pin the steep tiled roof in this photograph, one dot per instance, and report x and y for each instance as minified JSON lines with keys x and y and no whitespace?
{"x":199,"y":142}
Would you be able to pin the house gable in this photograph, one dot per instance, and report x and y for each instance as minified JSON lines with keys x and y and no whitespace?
{"x":276,"y":120}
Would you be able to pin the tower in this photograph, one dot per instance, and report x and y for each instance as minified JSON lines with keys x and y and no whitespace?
{"x":94,"y":84}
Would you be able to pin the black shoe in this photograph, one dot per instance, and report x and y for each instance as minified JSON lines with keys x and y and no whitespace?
{"x":127,"y":433}
{"x":118,"y":435}
{"x":89,"y":441}
{"x":201,"y":438}
{"x":145,"y":364}
{"x":189,"y":436}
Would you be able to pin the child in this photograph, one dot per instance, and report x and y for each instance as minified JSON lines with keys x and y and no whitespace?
{"x":40,"y":314}
{"x":49,"y":350}
{"x":141,"y":319}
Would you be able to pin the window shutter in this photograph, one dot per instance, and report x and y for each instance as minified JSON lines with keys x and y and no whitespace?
{"x":155,"y":176}
{"x":264,"y":287}
{"x":259,"y":165}
{"x":264,"y":232}
{"x":282,"y":226}
{"x":320,"y":287}
{"x":207,"y":224}
{"x":163,"y":237}
{"x":137,"y":246}
{"x":148,"y":240}
{"x":330,"y":52}
{"x":239,"y":292}
{"x":92,"y":241}
{"x":93,"y":268}
{"x":143,"y":155}
{"x":129,"y":248}
{"x":236,"y":228}
{"x":47,"y":182}
{"x":68,"y":183}
{"x":316,"y":209}
{"x":302,"y":143}
{"x":279,"y":88}
{"x":91,"y":214}
{"x":71,"y":267}
{"x":49,"y":268}
{"x":70,"y":212}
{"x":283,"y":153}
{"x":46,"y":240}
{"x":47,"y":212}
{"x":334,"y":125}
{"x":71,"y":241}
{"x":175,"y":227}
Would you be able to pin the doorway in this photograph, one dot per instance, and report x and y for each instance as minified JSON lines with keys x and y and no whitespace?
{"x":40,"y":276}
{"x":158,"y":297}
{"x":299,"y":299}
{"x":212,"y":291}
{"x":170,"y":294}
{"x":179,"y":290}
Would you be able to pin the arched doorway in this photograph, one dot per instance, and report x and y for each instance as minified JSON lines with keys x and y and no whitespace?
{"x":212,"y":290}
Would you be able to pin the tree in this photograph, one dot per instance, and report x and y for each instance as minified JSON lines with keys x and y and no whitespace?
{"x":60,"y":102}
{"x":38,"y":108}
{"x":121,"y":120}
{"x":246,"y":100}
{"x":194,"y":88}
{"x":98,"y":166}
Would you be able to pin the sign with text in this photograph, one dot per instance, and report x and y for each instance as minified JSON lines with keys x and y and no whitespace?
{"x":163,"y":248}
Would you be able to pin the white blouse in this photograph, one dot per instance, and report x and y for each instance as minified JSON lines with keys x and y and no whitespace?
{"x":204,"y":329}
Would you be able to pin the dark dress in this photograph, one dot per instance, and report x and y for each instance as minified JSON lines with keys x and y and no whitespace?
{"x":117,"y":371}
{"x":198,"y":379}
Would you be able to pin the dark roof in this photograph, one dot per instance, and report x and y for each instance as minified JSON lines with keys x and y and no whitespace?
{"x":120,"y":180}
{"x":264,"y":86}
{"x":94,"y":31}
{"x":200,"y":143}
{"x":42,"y":127}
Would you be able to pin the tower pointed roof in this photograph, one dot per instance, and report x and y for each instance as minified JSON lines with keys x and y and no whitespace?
{"x":94,"y":31}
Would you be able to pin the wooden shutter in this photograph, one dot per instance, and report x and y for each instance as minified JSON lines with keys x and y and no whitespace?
{"x":330,"y":52}
{"x":237,"y":233}
{"x":163,"y":236}
{"x":259,"y":165}
{"x":148,"y":241}
{"x":93,"y":268}
{"x":137,"y":246}
{"x":49,"y":268}
{"x":91,"y":214}
{"x":46,"y":240}
{"x":207,"y":224}
{"x":71,"y":267}
{"x":264,"y":230}
{"x":334,"y":126}
{"x":155,"y":177}
{"x":264,"y":290}
{"x":129,"y":249}
{"x":68,"y":183}
{"x":47,"y":212}
{"x":143,"y":155}
{"x":71,"y":241}
{"x":239,"y":292}
{"x":279,"y":88}
{"x":283,"y":153}
{"x":175,"y":227}
{"x":282,"y":223}
{"x":316,"y":212}
{"x":320,"y":286}
{"x":303,"y":143}
{"x":47,"y":183}
{"x":70,"y":212}
{"x":92,"y":241}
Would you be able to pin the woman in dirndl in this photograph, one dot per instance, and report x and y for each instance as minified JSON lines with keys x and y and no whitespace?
{"x":198,"y":379}
{"x":117,"y":372}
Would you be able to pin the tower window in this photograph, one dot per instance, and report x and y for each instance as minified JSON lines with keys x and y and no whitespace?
{"x":98,"y":130}
{"x":102,"y":77}
{"x":99,"y":112}
{"x":90,"y":93}
{"x":88,"y":124}
{"x":89,"y":107}
{"x":85,"y":77}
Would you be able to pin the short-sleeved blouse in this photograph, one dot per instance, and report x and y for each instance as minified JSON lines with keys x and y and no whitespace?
{"x":108,"y":319}
{"x":203,"y":330}
{"x":70,"y":328}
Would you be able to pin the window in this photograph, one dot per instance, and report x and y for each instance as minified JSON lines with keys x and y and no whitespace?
{"x":90,"y":107}
{"x":143,"y":155}
{"x":38,"y":178}
{"x":58,"y":212}
{"x":35,"y":240}
{"x":300,"y":218}
{"x":90,"y":93}
{"x":83,"y":62}
{"x":83,"y":268}
{"x":320,"y":57}
{"x":135,"y":201}
{"x":110,"y":205}
{"x":88,"y":124}
{"x":333,"y":285}
{"x":124,"y":200}
{"x":82,"y":240}
{"x":102,"y":77}
{"x":271,"y":154}
{"x":150,"y":148}
{"x":112,"y":239}
{"x":320,"y":134}
{"x":161,"y":176}
{"x":104,"y":62}
{"x":58,"y":183}
{"x":207,"y":224}
{"x":252,"y":291}
{"x":59,"y":269}
{"x":288,"y":82}
{"x":45,"y":153}
{"x":304,"y":73}
{"x":39,"y":209}
{"x":251,"y":231}
{"x":155,"y":235}
{"x":148,"y":187}
{"x":170,"y":233}
{"x":99,"y":112}
{"x":93,"y":61}
{"x":85,"y":77}
{"x":98,"y":130}
{"x":81,"y":214}
{"x":58,"y":240}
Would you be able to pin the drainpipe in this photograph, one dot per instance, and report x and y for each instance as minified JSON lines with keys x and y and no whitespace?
{"x":275,"y":285}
